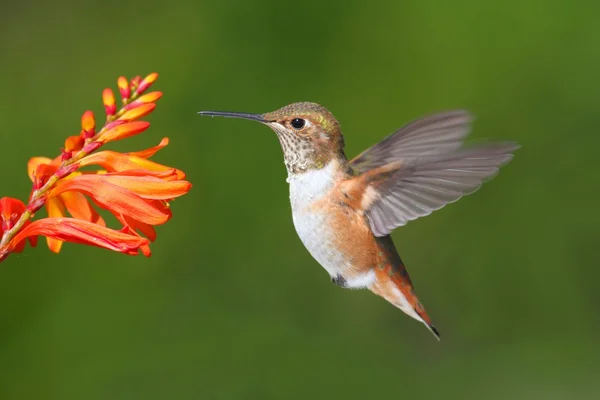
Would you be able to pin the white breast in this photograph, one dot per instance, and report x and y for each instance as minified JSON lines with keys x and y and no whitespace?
{"x":312,"y":226}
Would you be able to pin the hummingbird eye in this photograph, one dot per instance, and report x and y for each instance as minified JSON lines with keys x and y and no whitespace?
{"x":298,"y":123}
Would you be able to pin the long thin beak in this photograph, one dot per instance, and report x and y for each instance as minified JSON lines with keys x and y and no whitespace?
{"x":227,"y":114}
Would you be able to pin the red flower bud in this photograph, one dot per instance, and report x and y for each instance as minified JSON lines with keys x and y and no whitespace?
{"x":88,"y":124}
{"x":108,"y":98}
{"x":124,"y":87}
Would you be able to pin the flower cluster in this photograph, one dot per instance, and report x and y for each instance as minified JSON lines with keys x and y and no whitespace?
{"x":130,"y":186}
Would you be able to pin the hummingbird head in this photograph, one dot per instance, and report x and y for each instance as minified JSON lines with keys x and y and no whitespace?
{"x":309,"y":134}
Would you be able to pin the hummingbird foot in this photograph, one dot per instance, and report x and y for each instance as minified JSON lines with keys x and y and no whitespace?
{"x":340,"y":281}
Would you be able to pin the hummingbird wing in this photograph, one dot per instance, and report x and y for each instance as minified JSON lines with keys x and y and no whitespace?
{"x":422,"y":169}
{"x":435,"y":134}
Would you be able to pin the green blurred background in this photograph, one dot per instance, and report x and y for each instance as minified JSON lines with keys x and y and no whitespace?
{"x":230,"y":305}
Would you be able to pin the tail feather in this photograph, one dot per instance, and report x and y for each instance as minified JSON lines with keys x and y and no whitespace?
{"x":427,"y":321}
{"x":393,"y":284}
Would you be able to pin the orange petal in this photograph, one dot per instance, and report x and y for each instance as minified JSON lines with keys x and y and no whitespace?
{"x":41,"y":174}
{"x":32,"y":239}
{"x":166,"y":175}
{"x":113,"y":197}
{"x":123,"y":131}
{"x":21,"y":245}
{"x":149,"y":187}
{"x":79,"y":207}
{"x":113,"y":161}
{"x":83,"y":232}
{"x":135,"y":226}
{"x":55,"y":210}
{"x":10,"y":205}
{"x":151,"y":151}
{"x":33,"y":164}
{"x":74,"y":143}
{"x":10,"y":211}
{"x":138,"y":112}
{"x":145,"y":249}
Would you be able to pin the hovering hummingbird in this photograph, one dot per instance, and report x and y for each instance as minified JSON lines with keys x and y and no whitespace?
{"x":344,"y":211}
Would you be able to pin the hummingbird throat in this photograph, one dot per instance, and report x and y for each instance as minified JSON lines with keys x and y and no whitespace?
{"x":303,"y":154}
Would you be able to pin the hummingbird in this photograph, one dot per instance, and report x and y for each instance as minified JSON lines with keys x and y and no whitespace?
{"x":345,"y":210}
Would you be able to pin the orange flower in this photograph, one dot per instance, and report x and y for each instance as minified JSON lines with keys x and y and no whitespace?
{"x":136,"y":199}
{"x":133,"y":196}
{"x":130,"y":186}
{"x":40,"y":169}
{"x":134,"y":189}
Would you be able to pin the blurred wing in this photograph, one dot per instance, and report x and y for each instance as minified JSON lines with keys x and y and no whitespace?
{"x":421,"y":167}
{"x":436,"y":134}
{"x":417,"y":189}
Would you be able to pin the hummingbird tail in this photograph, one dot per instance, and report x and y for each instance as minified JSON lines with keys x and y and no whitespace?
{"x":394,"y":285}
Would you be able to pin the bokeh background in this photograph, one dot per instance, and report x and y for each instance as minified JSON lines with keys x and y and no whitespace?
{"x":230,"y":305}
